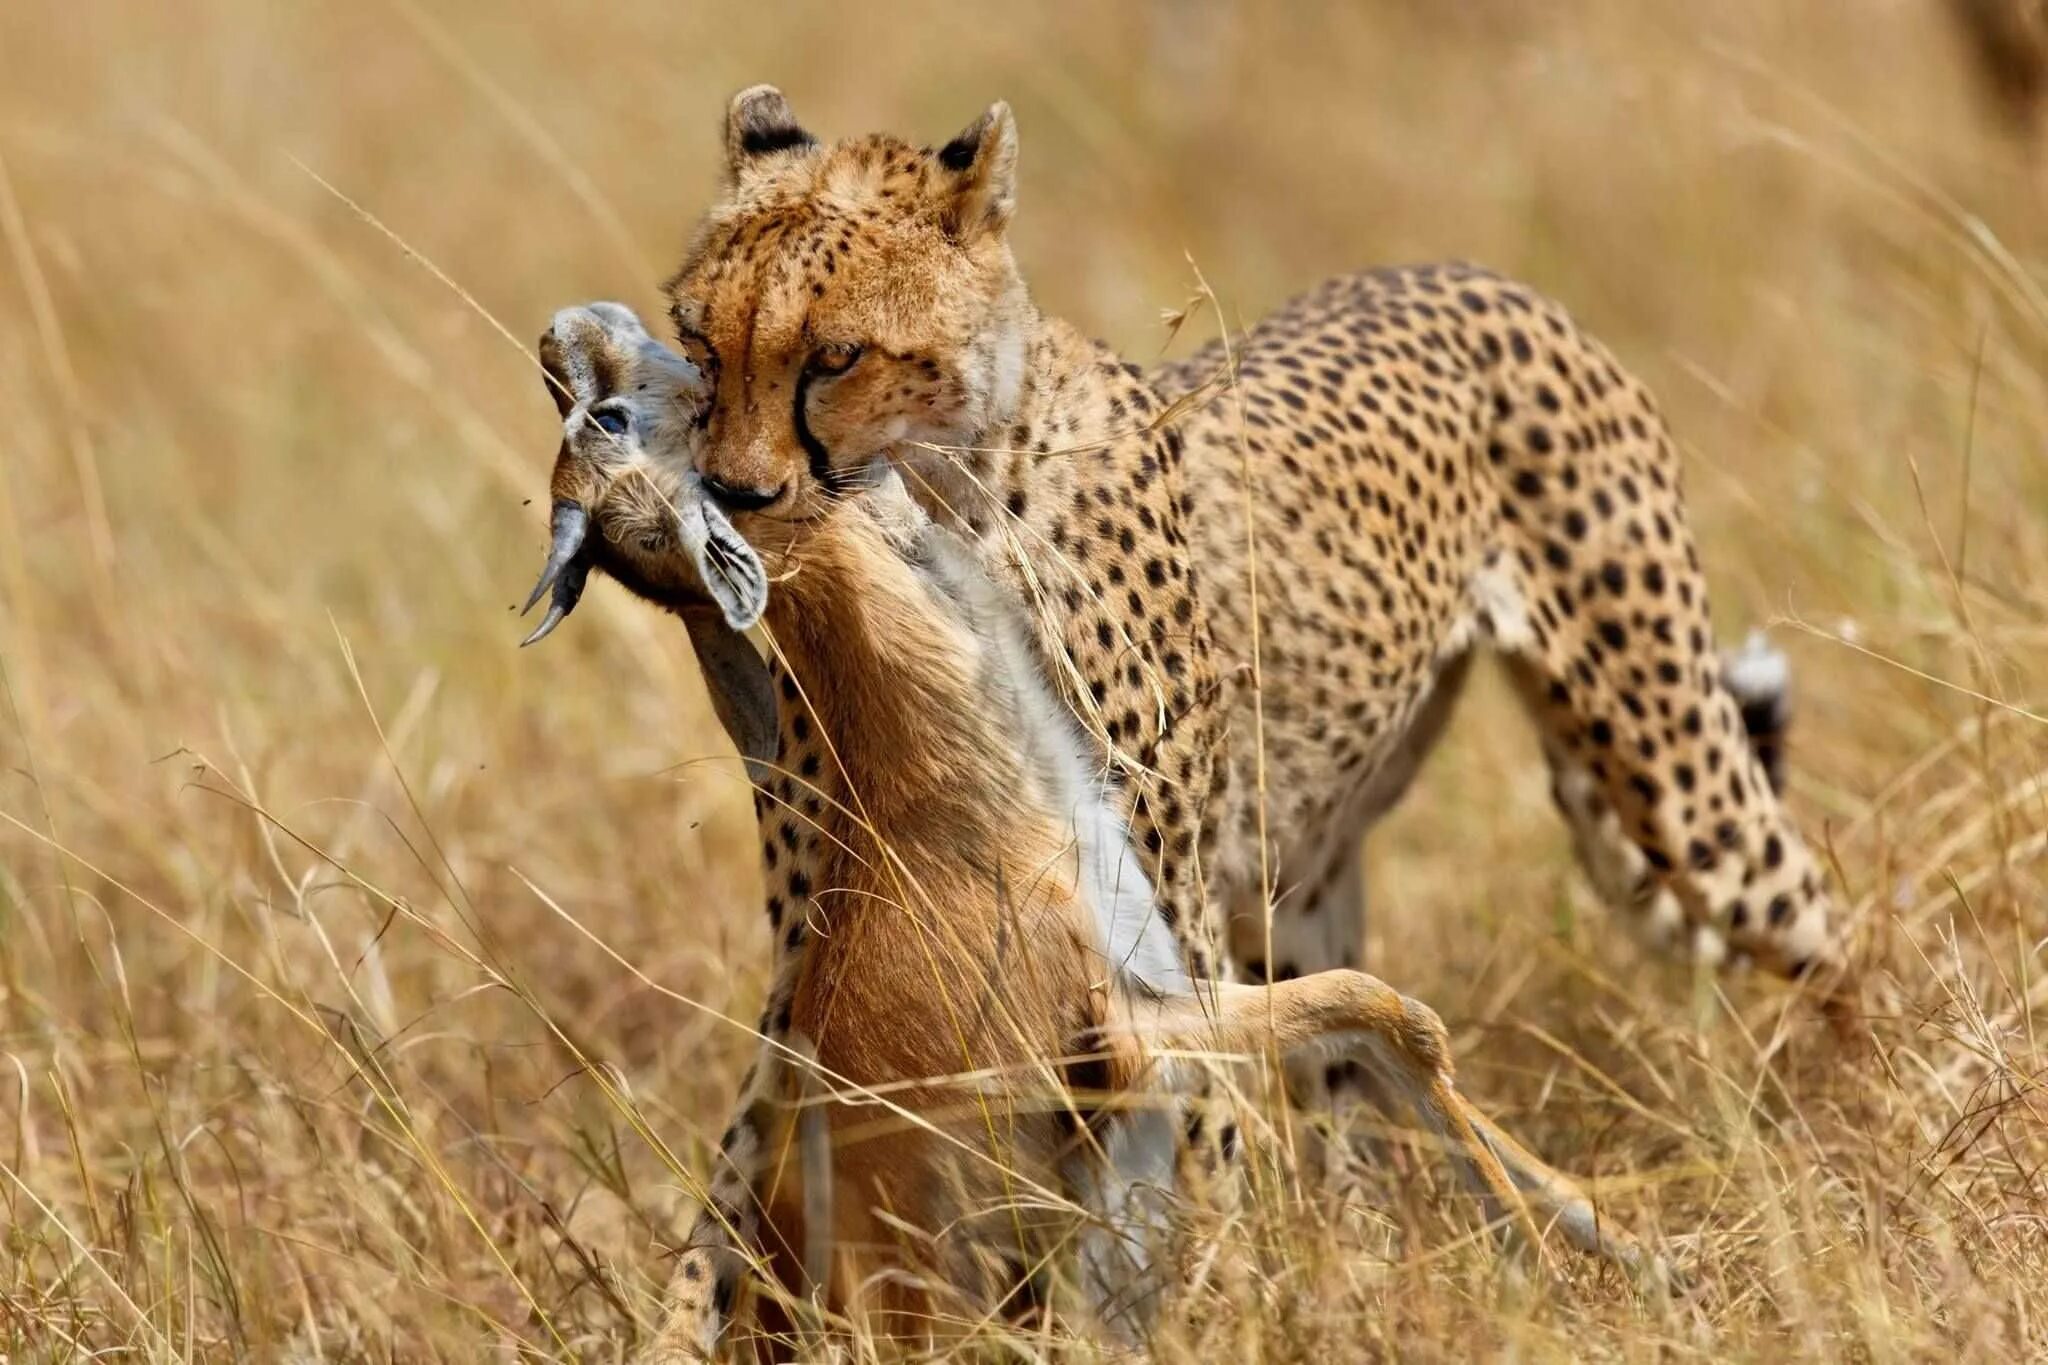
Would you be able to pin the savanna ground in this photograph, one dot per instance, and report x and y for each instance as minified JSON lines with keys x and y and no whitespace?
{"x":353,"y":963}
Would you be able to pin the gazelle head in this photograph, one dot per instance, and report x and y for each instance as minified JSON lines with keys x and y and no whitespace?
{"x":627,"y":447}
{"x":626,"y":470}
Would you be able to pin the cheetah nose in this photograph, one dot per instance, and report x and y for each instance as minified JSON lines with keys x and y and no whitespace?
{"x":566,"y":571}
{"x":739,"y":497}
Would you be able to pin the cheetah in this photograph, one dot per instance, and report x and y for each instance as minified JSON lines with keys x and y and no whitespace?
{"x":1435,"y":459}
{"x":996,"y":978}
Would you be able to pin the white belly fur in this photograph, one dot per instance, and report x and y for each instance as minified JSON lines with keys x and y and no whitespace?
{"x":1126,"y":1187}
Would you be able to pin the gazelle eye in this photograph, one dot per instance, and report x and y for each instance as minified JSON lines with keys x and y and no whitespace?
{"x":835,"y":359}
{"x":611,"y":420}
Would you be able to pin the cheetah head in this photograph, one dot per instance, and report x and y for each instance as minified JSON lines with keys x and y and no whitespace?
{"x":844,"y":302}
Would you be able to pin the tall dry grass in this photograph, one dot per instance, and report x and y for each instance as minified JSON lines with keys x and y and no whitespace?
{"x":366,"y":986}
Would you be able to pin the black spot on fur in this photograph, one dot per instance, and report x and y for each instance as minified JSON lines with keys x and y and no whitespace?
{"x":1088,"y":1082}
{"x":958,"y":154}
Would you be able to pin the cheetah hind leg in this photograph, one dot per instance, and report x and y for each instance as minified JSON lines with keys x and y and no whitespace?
{"x":1666,"y":759}
{"x":1758,"y":676}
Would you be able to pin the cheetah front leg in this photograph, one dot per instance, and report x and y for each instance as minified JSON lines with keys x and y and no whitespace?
{"x":1319,"y":923}
{"x":727,"y":1230}
{"x":1169,"y":801}
{"x":726,"y":1237}
{"x":790,"y":802}
{"x":1173,"y":820}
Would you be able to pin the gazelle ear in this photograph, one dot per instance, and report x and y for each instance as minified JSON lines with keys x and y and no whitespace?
{"x":731,"y":572}
{"x":982,"y":164}
{"x":760,"y":124}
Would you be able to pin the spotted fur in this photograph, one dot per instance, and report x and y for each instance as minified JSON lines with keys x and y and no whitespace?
{"x":1442,"y":460}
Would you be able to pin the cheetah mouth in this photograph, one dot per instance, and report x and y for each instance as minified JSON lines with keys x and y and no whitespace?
{"x":741,"y":498}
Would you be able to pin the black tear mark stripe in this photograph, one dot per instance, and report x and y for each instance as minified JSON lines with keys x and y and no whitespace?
{"x":710,"y":369}
{"x":758,"y":140}
{"x":821,"y":458}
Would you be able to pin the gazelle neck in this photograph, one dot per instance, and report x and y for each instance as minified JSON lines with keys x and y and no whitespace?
{"x":891,"y":671}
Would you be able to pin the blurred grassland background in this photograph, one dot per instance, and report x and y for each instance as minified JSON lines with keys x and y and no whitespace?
{"x":295,"y":1054}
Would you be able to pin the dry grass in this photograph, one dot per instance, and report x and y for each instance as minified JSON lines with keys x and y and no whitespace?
{"x":300,"y":1064}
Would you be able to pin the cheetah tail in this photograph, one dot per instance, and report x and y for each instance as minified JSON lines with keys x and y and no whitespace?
{"x":1760,"y":677}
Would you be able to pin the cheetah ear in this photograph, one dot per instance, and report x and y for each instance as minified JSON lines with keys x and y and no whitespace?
{"x":982,"y":163}
{"x":759,"y":124}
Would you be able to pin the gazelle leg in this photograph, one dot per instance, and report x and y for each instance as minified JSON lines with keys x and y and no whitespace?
{"x":1124,"y":1185}
{"x":1403,"y":1044}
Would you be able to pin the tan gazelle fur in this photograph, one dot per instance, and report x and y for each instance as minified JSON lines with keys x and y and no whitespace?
{"x":996,"y":1003}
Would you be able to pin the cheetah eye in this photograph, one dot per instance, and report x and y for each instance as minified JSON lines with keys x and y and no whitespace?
{"x":834,"y":359}
{"x":696,"y":349}
{"x":611,"y":420}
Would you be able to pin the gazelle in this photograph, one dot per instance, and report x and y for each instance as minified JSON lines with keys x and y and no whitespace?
{"x":1001,"y":1016}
